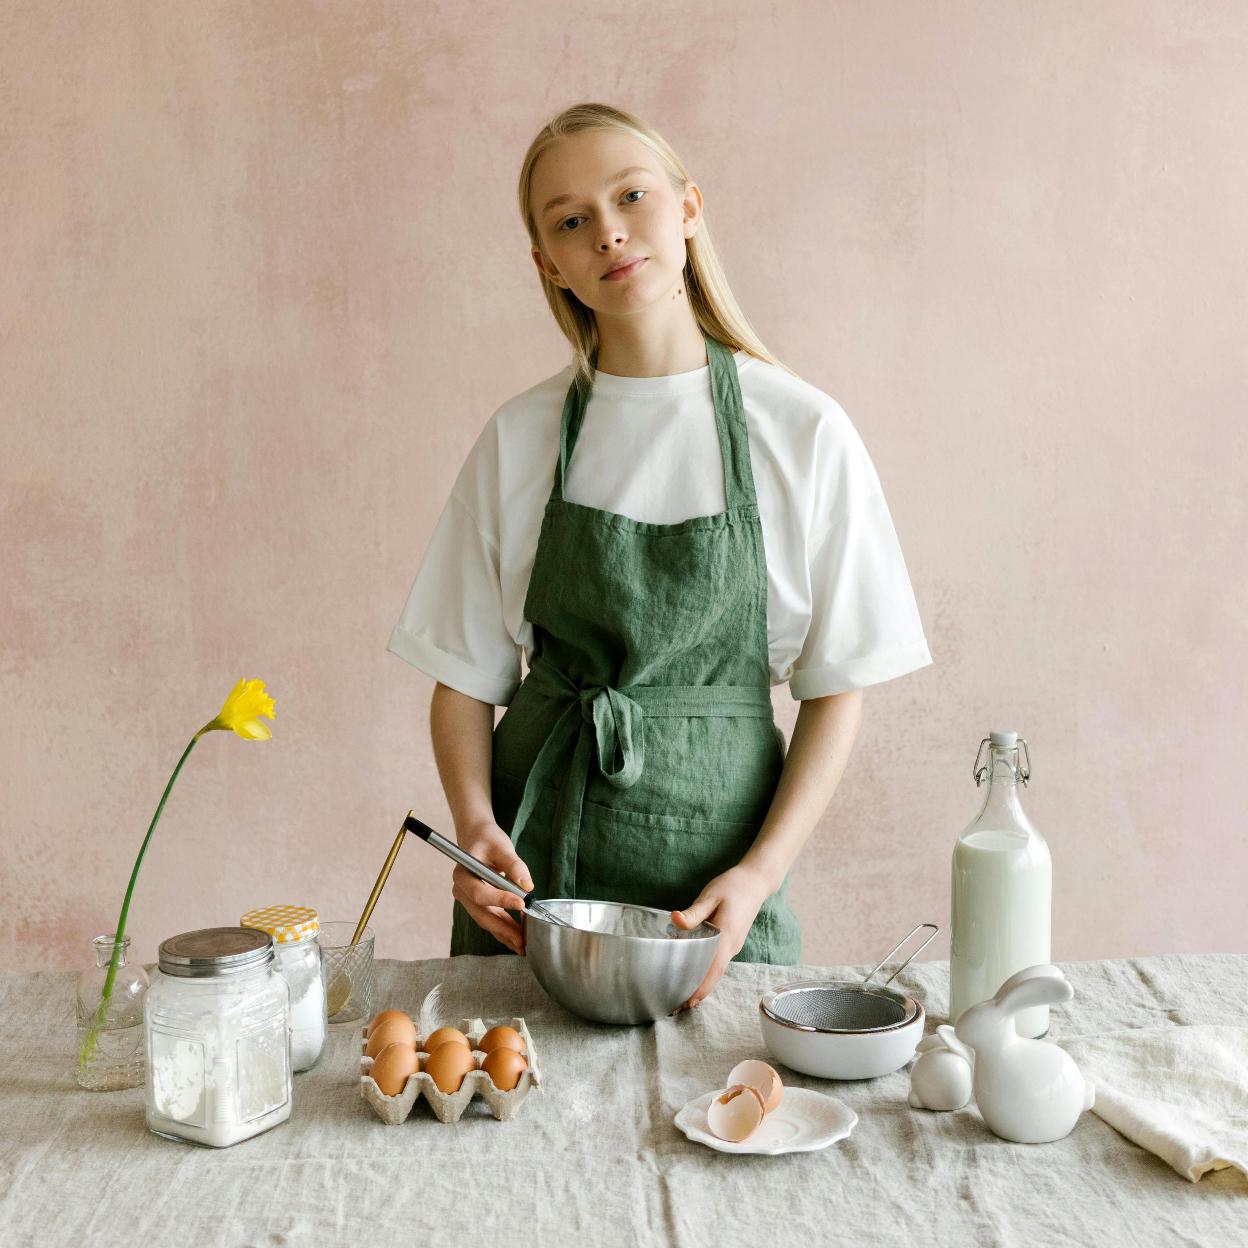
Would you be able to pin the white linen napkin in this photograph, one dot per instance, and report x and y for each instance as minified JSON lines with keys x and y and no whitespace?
{"x":1180,"y":1092}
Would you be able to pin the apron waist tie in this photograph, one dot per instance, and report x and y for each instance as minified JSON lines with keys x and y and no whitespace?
{"x":606,"y":725}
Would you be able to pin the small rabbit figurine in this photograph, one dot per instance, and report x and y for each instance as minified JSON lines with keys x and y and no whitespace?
{"x":1027,"y":1090}
{"x":941,"y":1078}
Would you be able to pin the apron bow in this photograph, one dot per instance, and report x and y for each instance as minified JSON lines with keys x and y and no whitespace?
{"x":618,"y":724}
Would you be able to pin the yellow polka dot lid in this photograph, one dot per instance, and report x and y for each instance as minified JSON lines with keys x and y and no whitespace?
{"x":286,"y":924}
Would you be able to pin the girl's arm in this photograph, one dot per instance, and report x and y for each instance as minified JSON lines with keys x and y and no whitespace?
{"x":462,"y":729}
{"x":823,"y":739}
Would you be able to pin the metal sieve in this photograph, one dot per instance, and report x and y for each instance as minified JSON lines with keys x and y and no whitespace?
{"x":832,"y":1005}
{"x":842,"y":1030}
{"x":822,"y":1007}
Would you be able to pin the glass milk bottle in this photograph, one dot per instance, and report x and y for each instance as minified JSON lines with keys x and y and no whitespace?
{"x":1002,"y":889}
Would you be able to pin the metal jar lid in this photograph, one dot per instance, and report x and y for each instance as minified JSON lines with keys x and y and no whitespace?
{"x":211,"y":952}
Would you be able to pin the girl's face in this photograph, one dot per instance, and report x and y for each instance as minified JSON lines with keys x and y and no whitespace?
{"x":613,"y":204}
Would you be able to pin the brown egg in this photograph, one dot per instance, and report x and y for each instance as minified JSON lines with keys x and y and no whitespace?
{"x":442,"y":1036}
{"x":381,"y":1018}
{"x":391,"y":1031}
{"x":448,"y":1064}
{"x":501,"y":1038}
{"x":393,"y":1066}
{"x":504,"y":1067}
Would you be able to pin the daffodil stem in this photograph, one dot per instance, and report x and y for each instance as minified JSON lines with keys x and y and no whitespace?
{"x":106,"y":992}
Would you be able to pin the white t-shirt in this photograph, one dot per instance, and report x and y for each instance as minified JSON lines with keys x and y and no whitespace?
{"x":841,"y":613}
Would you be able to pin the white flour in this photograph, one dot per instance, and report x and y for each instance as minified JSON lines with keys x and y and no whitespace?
{"x":307,"y":1022}
{"x":218,"y":1072}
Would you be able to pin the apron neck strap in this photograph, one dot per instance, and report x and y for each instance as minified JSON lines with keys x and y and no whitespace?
{"x":730,"y":424}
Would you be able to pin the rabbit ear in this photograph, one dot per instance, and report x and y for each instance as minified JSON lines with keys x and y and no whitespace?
{"x":954,"y":1045}
{"x":1037,"y":985}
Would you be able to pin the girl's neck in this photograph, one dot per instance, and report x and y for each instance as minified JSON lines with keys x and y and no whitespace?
{"x":649,"y":344}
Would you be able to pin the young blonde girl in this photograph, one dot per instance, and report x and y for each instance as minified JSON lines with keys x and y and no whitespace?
{"x":664,"y":530}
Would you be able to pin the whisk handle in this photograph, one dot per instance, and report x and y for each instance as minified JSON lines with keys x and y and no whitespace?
{"x":463,"y":857}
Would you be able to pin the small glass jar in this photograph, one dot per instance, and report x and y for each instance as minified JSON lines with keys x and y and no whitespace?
{"x":113,"y":1057}
{"x":294,"y":931}
{"x":217,"y":1026}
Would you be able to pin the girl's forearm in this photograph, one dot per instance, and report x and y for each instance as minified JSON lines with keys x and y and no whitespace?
{"x":823,"y":739}
{"x":462,"y":729}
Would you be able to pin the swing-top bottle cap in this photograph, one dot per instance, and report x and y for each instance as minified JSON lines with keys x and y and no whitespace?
{"x":1006,"y":739}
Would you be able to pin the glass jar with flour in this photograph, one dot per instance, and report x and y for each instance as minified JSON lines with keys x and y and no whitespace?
{"x":298,"y":958}
{"x":1002,"y":889}
{"x":217,"y":1027}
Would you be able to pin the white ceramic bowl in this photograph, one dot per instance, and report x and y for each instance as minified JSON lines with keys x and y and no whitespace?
{"x":838,"y":1030}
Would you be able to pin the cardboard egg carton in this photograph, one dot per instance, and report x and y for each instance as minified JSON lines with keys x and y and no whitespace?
{"x":449,"y":1106}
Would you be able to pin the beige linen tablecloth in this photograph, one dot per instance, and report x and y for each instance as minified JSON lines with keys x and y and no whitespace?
{"x":593,"y":1157}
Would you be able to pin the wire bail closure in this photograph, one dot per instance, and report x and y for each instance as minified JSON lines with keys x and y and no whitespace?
{"x":979,"y":771}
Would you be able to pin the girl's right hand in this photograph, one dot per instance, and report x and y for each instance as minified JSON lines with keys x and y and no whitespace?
{"x":486,"y":904}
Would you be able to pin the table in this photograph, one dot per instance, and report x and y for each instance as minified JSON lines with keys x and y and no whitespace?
{"x":593,"y":1157}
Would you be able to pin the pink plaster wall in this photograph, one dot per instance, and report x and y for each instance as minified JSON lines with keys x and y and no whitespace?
{"x":264,"y":281}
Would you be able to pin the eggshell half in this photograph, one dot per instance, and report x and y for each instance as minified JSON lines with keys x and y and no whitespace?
{"x":762,"y":1078}
{"x":735,"y":1113}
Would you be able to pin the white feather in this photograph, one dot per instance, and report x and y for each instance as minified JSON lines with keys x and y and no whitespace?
{"x":428,"y":1023}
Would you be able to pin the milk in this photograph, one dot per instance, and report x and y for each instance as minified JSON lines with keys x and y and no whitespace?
{"x":1001,"y":894}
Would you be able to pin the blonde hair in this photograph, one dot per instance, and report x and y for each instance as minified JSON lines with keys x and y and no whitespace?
{"x":717,"y":312}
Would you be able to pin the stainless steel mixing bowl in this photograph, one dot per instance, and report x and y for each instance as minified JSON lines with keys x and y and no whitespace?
{"x":617,"y":963}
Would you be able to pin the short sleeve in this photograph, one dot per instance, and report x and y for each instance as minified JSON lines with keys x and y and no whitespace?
{"x":864,"y":624}
{"x":452,"y":626}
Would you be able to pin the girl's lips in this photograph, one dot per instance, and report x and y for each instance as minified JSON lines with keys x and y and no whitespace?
{"x":617,"y":274}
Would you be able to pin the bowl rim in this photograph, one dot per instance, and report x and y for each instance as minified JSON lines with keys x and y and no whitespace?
{"x":705,"y":931}
{"x":914,"y":1011}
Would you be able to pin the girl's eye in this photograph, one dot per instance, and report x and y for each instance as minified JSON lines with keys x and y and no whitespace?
{"x":563,"y":224}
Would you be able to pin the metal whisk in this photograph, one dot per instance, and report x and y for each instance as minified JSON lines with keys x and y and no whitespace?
{"x":480,"y":870}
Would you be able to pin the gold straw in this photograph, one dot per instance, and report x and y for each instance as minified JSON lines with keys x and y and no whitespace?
{"x":381,"y":881}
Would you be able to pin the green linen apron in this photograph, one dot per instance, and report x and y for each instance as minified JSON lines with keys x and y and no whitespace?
{"x":639,"y":756}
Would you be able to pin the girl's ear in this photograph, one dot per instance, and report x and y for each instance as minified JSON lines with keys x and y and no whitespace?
{"x":545,"y":268}
{"x":692,"y":208}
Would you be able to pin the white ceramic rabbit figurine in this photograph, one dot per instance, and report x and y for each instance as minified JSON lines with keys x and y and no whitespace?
{"x":1027,"y":1090}
{"x":941,"y":1077}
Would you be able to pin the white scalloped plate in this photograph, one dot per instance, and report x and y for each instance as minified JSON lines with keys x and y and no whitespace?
{"x":804,"y":1121}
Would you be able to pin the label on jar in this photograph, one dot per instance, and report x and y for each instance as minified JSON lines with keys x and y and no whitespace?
{"x":263,"y":1077}
{"x":178,"y":1081}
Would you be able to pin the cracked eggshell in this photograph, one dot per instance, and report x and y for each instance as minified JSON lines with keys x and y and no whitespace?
{"x":762,"y":1078}
{"x":735,"y":1113}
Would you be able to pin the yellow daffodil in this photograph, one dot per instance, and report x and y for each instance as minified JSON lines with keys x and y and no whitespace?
{"x":242,"y":710}
{"x":240,"y":714}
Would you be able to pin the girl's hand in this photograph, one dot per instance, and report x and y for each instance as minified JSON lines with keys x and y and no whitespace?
{"x":486,"y":904}
{"x":731,"y":901}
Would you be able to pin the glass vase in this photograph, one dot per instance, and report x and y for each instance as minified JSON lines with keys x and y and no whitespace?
{"x":117,"y":1057}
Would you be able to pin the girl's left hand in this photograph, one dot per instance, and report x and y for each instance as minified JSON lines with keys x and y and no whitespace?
{"x":731,"y":901}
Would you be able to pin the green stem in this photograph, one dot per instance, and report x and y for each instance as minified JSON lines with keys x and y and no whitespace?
{"x":88,"y":1045}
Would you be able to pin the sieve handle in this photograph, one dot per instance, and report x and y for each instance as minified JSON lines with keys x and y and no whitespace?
{"x":897,"y":946}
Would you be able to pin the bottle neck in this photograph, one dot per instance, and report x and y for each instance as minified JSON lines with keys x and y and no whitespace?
{"x":104,"y":946}
{"x":1001,"y":798}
